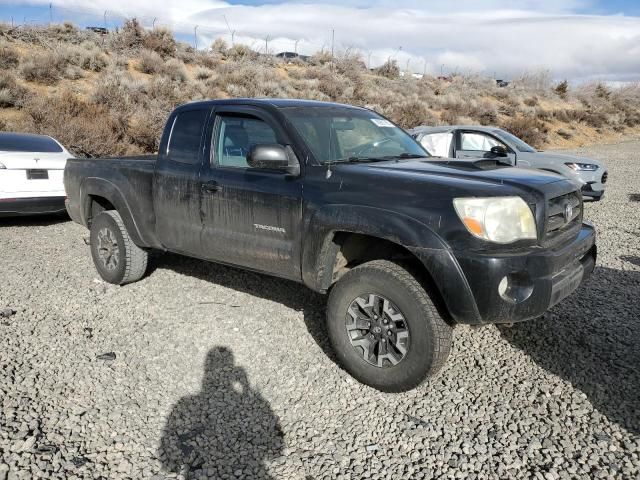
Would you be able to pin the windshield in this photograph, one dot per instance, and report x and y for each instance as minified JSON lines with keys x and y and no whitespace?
{"x":336,"y":134}
{"x":520,"y":145}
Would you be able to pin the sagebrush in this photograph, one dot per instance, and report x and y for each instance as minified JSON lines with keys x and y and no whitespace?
{"x":110,"y":95}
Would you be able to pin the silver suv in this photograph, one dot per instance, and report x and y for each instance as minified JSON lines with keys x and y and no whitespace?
{"x":473,"y":142}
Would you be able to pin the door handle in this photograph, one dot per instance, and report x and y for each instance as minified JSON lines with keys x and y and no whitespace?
{"x":210,"y":187}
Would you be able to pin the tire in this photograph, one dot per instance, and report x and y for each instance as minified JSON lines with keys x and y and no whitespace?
{"x":426,"y":345}
{"x":117,"y":259}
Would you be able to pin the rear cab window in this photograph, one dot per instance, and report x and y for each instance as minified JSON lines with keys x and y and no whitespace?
{"x":16,"y":142}
{"x":185,"y":138}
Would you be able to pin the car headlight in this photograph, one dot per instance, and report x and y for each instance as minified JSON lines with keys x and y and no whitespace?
{"x":588,"y":167}
{"x":497,"y":219}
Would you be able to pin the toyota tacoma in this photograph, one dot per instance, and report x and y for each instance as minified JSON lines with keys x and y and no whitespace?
{"x":343,"y":201}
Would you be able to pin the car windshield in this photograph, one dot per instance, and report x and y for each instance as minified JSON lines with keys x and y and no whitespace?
{"x":343,"y":134}
{"x":520,"y":145}
{"x":17,"y":142}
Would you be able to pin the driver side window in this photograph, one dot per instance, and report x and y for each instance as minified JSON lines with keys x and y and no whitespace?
{"x":478,"y":142}
{"x":235,"y":135}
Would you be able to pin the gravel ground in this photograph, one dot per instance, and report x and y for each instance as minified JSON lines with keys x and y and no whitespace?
{"x":230,"y":373}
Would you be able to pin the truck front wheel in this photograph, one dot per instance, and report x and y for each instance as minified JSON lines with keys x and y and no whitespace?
{"x":384,"y":327}
{"x":117,"y":259}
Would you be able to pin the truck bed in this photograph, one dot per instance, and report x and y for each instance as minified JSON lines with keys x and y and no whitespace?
{"x":131,"y":177}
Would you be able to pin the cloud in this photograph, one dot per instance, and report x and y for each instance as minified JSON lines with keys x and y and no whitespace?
{"x":498,"y":36}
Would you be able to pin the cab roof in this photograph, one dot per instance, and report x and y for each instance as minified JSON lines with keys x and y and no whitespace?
{"x":269,"y":102}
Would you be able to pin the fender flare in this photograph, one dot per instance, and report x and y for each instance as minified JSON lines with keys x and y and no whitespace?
{"x":319,"y":255}
{"x":101,"y":187}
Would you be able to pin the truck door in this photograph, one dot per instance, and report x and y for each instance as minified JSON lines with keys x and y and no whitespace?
{"x":476,"y":145}
{"x":176,"y":194}
{"x":251,"y":217}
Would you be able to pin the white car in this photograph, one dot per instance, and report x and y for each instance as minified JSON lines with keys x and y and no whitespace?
{"x":31,"y":171}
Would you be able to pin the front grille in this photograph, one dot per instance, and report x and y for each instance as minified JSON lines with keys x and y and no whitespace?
{"x":563,"y":214}
{"x":605,"y":175}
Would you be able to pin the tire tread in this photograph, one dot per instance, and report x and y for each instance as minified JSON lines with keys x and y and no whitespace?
{"x":441,"y":330}
{"x":136,"y":259}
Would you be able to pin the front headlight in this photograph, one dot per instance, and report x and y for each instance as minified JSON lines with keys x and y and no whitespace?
{"x":497,"y":219}
{"x":588,"y":167}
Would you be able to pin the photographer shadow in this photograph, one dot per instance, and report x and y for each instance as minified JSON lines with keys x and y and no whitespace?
{"x":591,"y":340}
{"x":227,"y":430}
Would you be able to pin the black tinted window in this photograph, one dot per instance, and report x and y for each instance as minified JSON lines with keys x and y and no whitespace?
{"x":184,"y":143}
{"x":18,"y":142}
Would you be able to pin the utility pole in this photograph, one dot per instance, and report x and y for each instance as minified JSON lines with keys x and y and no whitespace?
{"x":442,"y":70}
{"x":105,"y":20}
{"x":266,"y":45}
{"x":424,"y":71}
{"x":394,"y":54}
{"x":407,"y":70}
{"x":153,"y":24}
{"x":333,"y":38}
{"x":195,"y":37}
{"x":295,"y":48}
{"x":369,"y":60}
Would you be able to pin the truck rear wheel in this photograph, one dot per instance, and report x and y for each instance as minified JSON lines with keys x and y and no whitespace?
{"x":117,"y":259}
{"x":384,"y":327}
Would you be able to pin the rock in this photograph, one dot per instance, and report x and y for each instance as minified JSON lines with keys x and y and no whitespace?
{"x":107,"y":357}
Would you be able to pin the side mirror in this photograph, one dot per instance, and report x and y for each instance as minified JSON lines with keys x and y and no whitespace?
{"x":272,"y":156}
{"x":499,"y":151}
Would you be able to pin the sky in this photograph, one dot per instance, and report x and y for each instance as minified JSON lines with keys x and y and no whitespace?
{"x":580,"y":40}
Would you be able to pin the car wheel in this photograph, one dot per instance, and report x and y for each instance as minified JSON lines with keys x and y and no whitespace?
{"x":117,"y":259}
{"x":384,"y":327}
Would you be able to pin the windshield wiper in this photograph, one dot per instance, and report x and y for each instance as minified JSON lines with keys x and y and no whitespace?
{"x":361,"y":159}
{"x":384,"y":158}
{"x":405,"y":155}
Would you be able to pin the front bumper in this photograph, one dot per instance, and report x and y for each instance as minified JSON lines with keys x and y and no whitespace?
{"x":588,"y":191}
{"x":593,"y":183}
{"x":13,"y":207}
{"x":537,"y":280}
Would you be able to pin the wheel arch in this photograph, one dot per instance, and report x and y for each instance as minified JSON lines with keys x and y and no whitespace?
{"x":97,"y":195}
{"x":331,"y":252}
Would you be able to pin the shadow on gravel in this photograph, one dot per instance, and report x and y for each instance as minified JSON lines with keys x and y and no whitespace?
{"x":34,"y":221}
{"x":592,"y":341}
{"x":227,"y":430}
{"x":289,"y":293}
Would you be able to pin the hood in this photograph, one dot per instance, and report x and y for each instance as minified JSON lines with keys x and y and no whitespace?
{"x":472,"y":171}
{"x":33,"y":160}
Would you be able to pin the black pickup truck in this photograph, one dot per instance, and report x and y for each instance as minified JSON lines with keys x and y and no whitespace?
{"x":343,"y":201}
